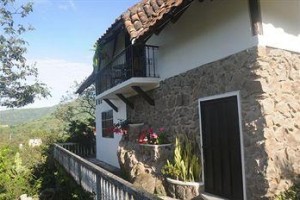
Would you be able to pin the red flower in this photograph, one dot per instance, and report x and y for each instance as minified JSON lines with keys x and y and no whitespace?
{"x":143,"y":138}
{"x":150,"y":131}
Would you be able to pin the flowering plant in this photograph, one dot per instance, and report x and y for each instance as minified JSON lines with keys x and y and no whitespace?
{"x":148,"y":136}
{"x":121,"y":127}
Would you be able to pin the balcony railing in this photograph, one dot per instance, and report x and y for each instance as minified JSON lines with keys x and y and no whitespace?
{"x":103,"y":184}
{"x":134,"y":61}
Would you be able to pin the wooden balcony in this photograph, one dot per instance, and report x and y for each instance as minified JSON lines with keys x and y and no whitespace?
{"x":94,"y":179}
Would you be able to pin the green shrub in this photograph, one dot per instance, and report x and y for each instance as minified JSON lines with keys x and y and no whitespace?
{"x":293,"y":193}
{"x":33,"y":171}
{"x":52,"y":180}
{"x":82,"y":132}
{"x":13,"y":174}
{"x":185,"y":165}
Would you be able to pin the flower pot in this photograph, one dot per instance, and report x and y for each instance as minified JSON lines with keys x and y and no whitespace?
{"x":156,"y":145}
{"x":184,"y":190}
{"x":156,"y":151}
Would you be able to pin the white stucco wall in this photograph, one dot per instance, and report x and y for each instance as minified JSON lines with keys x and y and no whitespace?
{"x":206,"y":32}
{"x":107,"y":147}
{"x":281,"y":24}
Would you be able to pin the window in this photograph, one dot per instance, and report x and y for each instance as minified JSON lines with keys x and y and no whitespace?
{"x":107,"y":124}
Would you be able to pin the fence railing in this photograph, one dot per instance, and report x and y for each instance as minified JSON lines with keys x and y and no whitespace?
{"x":79,"y":149}
{"x":134,"y":61}
{"x":103,"y":184}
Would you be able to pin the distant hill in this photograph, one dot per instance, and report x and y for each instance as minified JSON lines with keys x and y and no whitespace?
{"x":20,"y":116}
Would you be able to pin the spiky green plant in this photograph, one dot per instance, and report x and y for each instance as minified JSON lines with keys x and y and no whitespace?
{"x":185,"y":165}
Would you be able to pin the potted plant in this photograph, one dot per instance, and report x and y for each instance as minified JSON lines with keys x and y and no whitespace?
{"x":183,"y":172}
{"x":154,"y":144}
{"x":151,"y":137}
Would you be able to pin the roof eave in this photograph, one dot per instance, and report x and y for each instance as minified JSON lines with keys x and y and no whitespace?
{"x":86,"y":83}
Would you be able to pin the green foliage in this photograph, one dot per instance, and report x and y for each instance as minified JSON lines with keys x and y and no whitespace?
{"x":13,"y":173}
{"x":32,"y":170}
{"x":185,"y":165}
{"x":82,"y":133}
{"x":293,"y":193}
{"x":76,"y":107}
{"x":47,"y":128}
{"x":99,"y":55}
{"x":50,"y":176}
{"x":20,"y":116}
{"x":15,"y":91}
{"x":77,"y":114}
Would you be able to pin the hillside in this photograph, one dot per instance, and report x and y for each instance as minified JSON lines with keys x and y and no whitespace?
{"x":20,"y":116}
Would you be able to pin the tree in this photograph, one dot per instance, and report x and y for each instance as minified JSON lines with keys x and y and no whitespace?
{"x":77,"y":112}
{"x":75,"y":107}
{"x":15,"y":73}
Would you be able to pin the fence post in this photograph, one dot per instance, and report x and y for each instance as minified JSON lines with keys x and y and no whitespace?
{"x":79,"y":173}
{"x":98,"y":188}
{"x":69,"y":164}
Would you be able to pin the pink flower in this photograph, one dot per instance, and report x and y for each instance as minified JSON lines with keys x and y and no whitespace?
{"x":161,"y":129}
{"x":154,"y":136}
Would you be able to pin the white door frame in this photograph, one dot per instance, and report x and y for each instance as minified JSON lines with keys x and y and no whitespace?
{"x":228,"y":94}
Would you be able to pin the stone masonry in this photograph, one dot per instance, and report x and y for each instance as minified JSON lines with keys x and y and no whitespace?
{"x":269,"y":84}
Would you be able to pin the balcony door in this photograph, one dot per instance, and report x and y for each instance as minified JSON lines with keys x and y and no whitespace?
{"x":135,"y":59}
{"x":221,"y":146}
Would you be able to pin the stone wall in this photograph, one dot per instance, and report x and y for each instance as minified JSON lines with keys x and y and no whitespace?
{"x":142,"y":164}
{"x":268,"y":81}
{"x":279,"y":74}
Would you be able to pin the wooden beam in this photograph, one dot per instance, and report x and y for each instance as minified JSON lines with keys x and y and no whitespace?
{"x":125,"y":100}
{"x":115,"y":108}
{"x":143,"y":94}
{"x":255,"y":17}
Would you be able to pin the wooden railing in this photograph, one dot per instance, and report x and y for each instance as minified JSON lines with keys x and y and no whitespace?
{"x":103,"y":184}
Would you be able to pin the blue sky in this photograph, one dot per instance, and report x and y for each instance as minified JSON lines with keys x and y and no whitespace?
{"x":61,"y":44}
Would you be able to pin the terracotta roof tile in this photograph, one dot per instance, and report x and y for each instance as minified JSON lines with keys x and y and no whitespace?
{"x":142,"y":16}
{"x":145,"y":14}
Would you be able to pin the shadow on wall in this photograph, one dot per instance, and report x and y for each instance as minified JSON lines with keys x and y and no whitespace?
{"x":286,"y":15}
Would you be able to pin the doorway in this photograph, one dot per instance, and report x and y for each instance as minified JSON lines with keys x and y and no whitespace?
{"x":221,"y":146}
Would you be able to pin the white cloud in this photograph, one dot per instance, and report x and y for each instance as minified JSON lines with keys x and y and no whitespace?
{"x":59,"y":75}
{"x":67,"y":5}
{"x":72,"y":4}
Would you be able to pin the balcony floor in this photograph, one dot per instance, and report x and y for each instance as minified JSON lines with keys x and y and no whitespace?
{"x":124,"y":88}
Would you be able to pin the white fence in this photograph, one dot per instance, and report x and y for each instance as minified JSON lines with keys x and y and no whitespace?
{"x":103,"y":184}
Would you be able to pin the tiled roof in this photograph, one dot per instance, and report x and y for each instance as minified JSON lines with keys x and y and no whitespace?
{"x":138,"y":21}
{"x":142,"y":16}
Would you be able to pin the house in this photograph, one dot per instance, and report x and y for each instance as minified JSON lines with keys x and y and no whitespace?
{"x":35,"y":142}
{"x":225,"y":71}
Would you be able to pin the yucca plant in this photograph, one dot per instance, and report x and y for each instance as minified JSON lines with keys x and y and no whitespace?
{"x":185,"y":165}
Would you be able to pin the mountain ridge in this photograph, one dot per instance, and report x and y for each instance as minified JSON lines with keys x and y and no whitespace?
{"x":14,"y":117}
